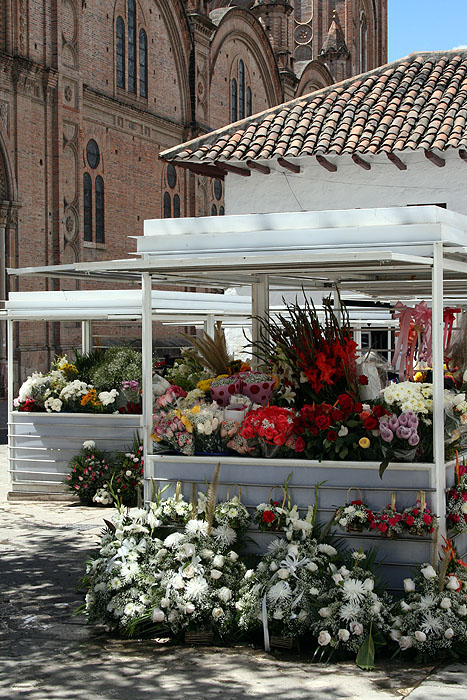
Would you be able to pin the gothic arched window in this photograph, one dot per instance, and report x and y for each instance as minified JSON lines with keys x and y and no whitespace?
{"x":87,"y":198}
{"x":132,"y":46}
{"x":241,"y":90}
{"x":249,"y":102}
{"x":167,"y":206}
{"x":176,"y":206}
{"x":120,"y":41}
{"x":100,"y":214}
{"x":234,"y":100}
{"x":213,"y":210}
{"x":143,"y":64}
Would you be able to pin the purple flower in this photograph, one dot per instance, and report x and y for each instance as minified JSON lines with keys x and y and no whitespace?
{"x":414,"y":440}
{"x":403,"y":432}
{"x":393,"y":422}
{"x":386,"y":434}
{"x":403,"y":419}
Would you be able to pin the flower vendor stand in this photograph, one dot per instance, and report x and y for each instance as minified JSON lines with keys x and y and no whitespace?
{"x":387,"y":255}
{"x":40,"y":445}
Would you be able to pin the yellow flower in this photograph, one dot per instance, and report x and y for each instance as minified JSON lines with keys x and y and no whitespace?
{"x":364,"y":443}
{"x":155,"y":438}
{"x":205,"y":384}
{"x":188,"y":425}
{"x":195,"y":409}
{"x":221,"y":376}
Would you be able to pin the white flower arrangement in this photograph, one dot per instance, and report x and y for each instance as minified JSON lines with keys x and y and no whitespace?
{"x":282,"y":591}
{"x":74,"y":390}
{"x":108,"y":397}
{"x":350,"y":610}
{"x":410,"y":396}
{"x":432,"y":616}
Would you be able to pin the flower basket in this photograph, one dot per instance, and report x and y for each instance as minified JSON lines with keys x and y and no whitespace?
{"x":354,"y":516}
{"x":270,"y":516}
{"x":418,"y":520}
{"x":282,"y":642}
{"x":389,"y":522}
{"x":354,"y":526}
{"x":199,"y":639}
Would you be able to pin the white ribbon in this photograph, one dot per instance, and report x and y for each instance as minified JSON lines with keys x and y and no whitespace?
{"x":264,"y":613}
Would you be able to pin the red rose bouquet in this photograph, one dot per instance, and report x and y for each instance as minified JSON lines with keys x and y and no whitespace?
{"x":418,"y":519}
{"x":269,"y":432}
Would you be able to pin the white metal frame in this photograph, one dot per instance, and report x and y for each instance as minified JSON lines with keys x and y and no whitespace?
{"x":389,"y":254}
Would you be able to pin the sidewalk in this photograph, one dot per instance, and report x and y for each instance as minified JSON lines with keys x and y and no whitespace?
{"x":46,"y":654}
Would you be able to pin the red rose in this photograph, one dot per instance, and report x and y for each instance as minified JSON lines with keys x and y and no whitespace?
{"x":332,"y":436}
{"x":371,"y":423}
{"x":323,"y":422}
{"x":363,"y":380}
{"x":426,"y":519}
{"x":337,"y":415}
{"x":268,"y":516}
{"x":358,"y":407}
{"x":415,"y":511}
{"x":464,"y":495}
{"x":356,"y":503}
{"x":345,"y":402}
{"x":299,"y":444}
{"x":379,"y":411}
{"x":373,"y":525}
{"x":409,"y":520}
{"x":382,"y":527}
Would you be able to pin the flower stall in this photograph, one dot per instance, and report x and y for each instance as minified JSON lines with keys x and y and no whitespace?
{"x":414,"y":260}
{"x":42,"y":438}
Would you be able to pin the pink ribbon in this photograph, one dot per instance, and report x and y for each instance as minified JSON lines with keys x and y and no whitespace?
{"x":403,"y":314}
{"x":422,"y":317}
{"x":448,"y":320}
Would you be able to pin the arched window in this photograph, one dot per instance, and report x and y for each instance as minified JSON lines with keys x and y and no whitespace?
{"x":221,"y":211}
{"x":249,"y":102}
{"x":143,"y":64}
{"x":234,"y":100}
{"x":87,"y":197}
{"x":213,"y":210}
{"x":132,"y":46}
{"x":176,"y":206}
{"x":167,"y":206}
{"x":241,"y":90}
{"x":100,"y":215}
{"x":120,"y":39}
{"x":363,"y":43}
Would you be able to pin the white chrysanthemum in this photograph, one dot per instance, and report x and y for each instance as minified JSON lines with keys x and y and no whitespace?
{"x":225,"y":535}
{"x":196,"y":588}
{"x":173,"y":539}
{"x":277,"y":546}
{"x":280,"y":591}
{"x":426,"y":602}
{"x":354,"y":590}
{"x":349,"y":612}
{"x":431,"y":623}
{"x":197,"y":528}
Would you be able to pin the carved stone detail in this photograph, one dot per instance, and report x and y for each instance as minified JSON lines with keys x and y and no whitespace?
{"x":5,"y":116}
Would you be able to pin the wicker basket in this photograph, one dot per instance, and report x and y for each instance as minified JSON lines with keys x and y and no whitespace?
{"x":199,"y":639}
{"x":354,"y":527}
{"x":282,"y":642}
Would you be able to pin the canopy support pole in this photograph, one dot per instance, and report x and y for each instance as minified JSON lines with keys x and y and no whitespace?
{"x":86,"y":337}
{"x":259,"y":310}
{"x":209,"y":325}
{"x":439,"y":477}
{"x":146,"y":343}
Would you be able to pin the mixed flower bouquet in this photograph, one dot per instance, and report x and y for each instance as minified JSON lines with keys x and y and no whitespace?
{"x":206,"y":421}
{"x":128,"y":474}
{"x":280,"y":594}
{"x":345,"y":430}
{"x":354,"y":516}
{"x":173,"y":430}
{"x":456,"y":510}
{"x":388,"y":522}
{"x":351,"y":614}
{"x":432,"y":616}
{"x":270,"y":517}
{"x":188,"y":370}
{"x":90,"y":475}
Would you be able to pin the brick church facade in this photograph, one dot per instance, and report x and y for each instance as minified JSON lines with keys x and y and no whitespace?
{"x":92,"y":90}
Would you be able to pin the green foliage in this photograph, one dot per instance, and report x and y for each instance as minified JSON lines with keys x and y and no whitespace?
{"x":85,"y":363}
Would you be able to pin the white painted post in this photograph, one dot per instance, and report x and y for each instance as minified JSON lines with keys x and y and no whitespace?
{"x":146,"y":342}
{"x":86,"y":336}
{"x":439,"y":477}
{"x":209,"y":325}
{"x":10,"y":386}
{"x":259,"y":309}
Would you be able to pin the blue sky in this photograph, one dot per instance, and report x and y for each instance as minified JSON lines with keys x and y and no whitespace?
{"x":425,"y":25}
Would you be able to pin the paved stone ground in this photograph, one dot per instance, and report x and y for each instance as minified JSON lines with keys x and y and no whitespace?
{"x":47,"y":654}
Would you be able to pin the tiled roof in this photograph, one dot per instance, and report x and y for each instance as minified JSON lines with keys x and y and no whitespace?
{"x":417,"y":102}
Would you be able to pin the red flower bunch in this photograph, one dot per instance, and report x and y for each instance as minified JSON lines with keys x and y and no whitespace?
{"x":268,"y":427}
{"x":30,"y":406}
{"x":418,"y":519}
{"x":389,"y":522}
{"x":130,"y":408}
{"x":456,"y":515}
{"x":345,"y":430}
{"x":331,"y":362}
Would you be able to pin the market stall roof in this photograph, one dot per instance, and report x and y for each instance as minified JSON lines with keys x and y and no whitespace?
{"x":385,"y":253}
{"x":416,"y":102}
{"x":180,"y":307}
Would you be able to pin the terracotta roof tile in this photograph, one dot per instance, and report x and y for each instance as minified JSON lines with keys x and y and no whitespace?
{"x":419,"y":101}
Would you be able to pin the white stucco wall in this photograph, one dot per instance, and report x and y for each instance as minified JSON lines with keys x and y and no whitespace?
{"x":350,"y":187}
